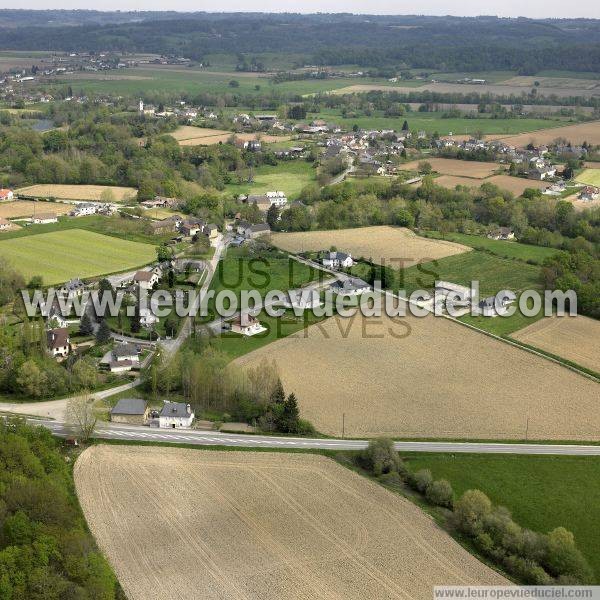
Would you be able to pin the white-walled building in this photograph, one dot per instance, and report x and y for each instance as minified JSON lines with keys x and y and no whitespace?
{"x":175,"y":415}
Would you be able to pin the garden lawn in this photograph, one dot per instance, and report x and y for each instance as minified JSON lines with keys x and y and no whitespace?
{"x":542,"y":492}
{"x":61,"y":255}
{"x":289,"y":177}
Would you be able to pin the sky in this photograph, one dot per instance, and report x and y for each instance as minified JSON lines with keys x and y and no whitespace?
{"x":503,"y":8}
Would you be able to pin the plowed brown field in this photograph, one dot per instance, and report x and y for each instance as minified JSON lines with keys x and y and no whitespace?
{"x":190,"y":524}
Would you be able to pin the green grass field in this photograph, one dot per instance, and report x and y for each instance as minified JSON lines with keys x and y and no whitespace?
{"x":181,"y":80}
{"x":289,"y":177}
{"x":504,"y":249}
{"x":60,"y":255}
{"x":434,"y":122}
{"x":542,"y":492}
{"x":589,"y":177}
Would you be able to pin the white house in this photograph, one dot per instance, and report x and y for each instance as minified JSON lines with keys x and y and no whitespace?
{"x":304,"y":299}
{"x":337,"y":260}
{"x":175,"y":415}
{"x":502,"y":233}
{"x":495,"y":306}
{"x":6,"y":195}
{"x":460,"y":295}
{"x":72,"y":289}
{"x":59,"y":344}
{"x":148,"y":318}
{"x":44,"y":218}
{"x":247,"y":326}
{"x":123,"y":352}
{"x":353,"y":286}
{"x":145,"y":280}
{"x":252,"y":231}
{"x":84,"y":208}
{"x":277,"y":198}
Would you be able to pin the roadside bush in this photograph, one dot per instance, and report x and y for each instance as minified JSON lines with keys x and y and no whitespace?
{"x":380,"y":457}
{"x":563,"y":559}
{"x":421,"y":480}
{"x":470,"y":510}
{"x":440,"y":493}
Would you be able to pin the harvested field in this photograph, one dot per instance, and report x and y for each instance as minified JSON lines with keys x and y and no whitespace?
{"x":459,"y":168}
{"x":516,"y":185}
{"x":498,"y":89}
{"x":187,"y":524}
{"x":435,"y":378}
{"x":579,"y":204}
{"x":570,"y":83}
{"x":26,"y":208}
{"x":381,"y":244}
{"x":576,"y":134}
{"x":187,"y":135}
{"x":575,"y":338}
{"x":450,"y":182}
{"x":79,"y":192}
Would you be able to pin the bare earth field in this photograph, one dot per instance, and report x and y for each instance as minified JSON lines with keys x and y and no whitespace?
{"x":78,"y":192}
{"x":499,"y":89}
{"x":187,"y":135}
{"x":189,"y":524}
{"x":579,"y":204}
{"x":381,"y":243}
{"x":576,"y":134}
{"x":459,"y":168}
{"x":26,"y":208}
{"x":450,"y":181}
{"x":516,"y":185}
{"x":575,"y":338}
{"x":434,"y":379}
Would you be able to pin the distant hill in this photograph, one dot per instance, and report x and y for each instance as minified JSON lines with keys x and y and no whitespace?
{"x":440,"y":43}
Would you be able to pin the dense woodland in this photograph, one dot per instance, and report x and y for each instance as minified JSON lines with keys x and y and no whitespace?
{"x":441,"y":43}
{"x":46,"y":550}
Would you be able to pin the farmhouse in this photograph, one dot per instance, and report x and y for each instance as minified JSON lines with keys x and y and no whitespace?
{"x":4,"y":224}
{"x":145,"y":280}
{"x":502,"y":233}
{"x":336,"y":260}
{"x":58,"y":341}
{"x":304,"y":299}
{"x":6,"y":195}
{"x":353,"y":286}
{"x":72,"y":289}
{"x":589,"y":193}
{"x":252,"y":231}
{"x":247,"y":326}
{"x":124,"y":352}
{"x":494,"y":306}
{"x":133,"y":411}
{"x":44,"y":218}
{"x":211,"y":231}
{"x":175,"y":415}
{"x":460,"y":295}
{"x":83,"y":209}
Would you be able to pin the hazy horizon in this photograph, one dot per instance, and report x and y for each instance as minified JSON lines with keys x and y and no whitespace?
{"x":468,"y":8}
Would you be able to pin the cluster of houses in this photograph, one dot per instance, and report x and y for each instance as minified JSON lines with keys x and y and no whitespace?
{"x":135,"y":411}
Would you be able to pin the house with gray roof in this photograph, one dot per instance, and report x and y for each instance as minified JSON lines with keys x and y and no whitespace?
{"x":133,"y":411}
{"x":353,"y":286}
{"x":175,"y":415}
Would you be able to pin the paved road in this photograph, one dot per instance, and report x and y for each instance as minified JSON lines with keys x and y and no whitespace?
{"x":212,"y":438}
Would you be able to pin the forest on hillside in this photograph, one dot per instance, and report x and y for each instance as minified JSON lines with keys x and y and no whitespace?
{"x":440,"y":43}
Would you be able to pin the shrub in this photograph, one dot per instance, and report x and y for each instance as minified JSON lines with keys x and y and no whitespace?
{"x":440,"y":493}
{"x":421,"y":480}
{"x":470,"y":510}
{"x":380,"y":457}
{"x":563,"y":559}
